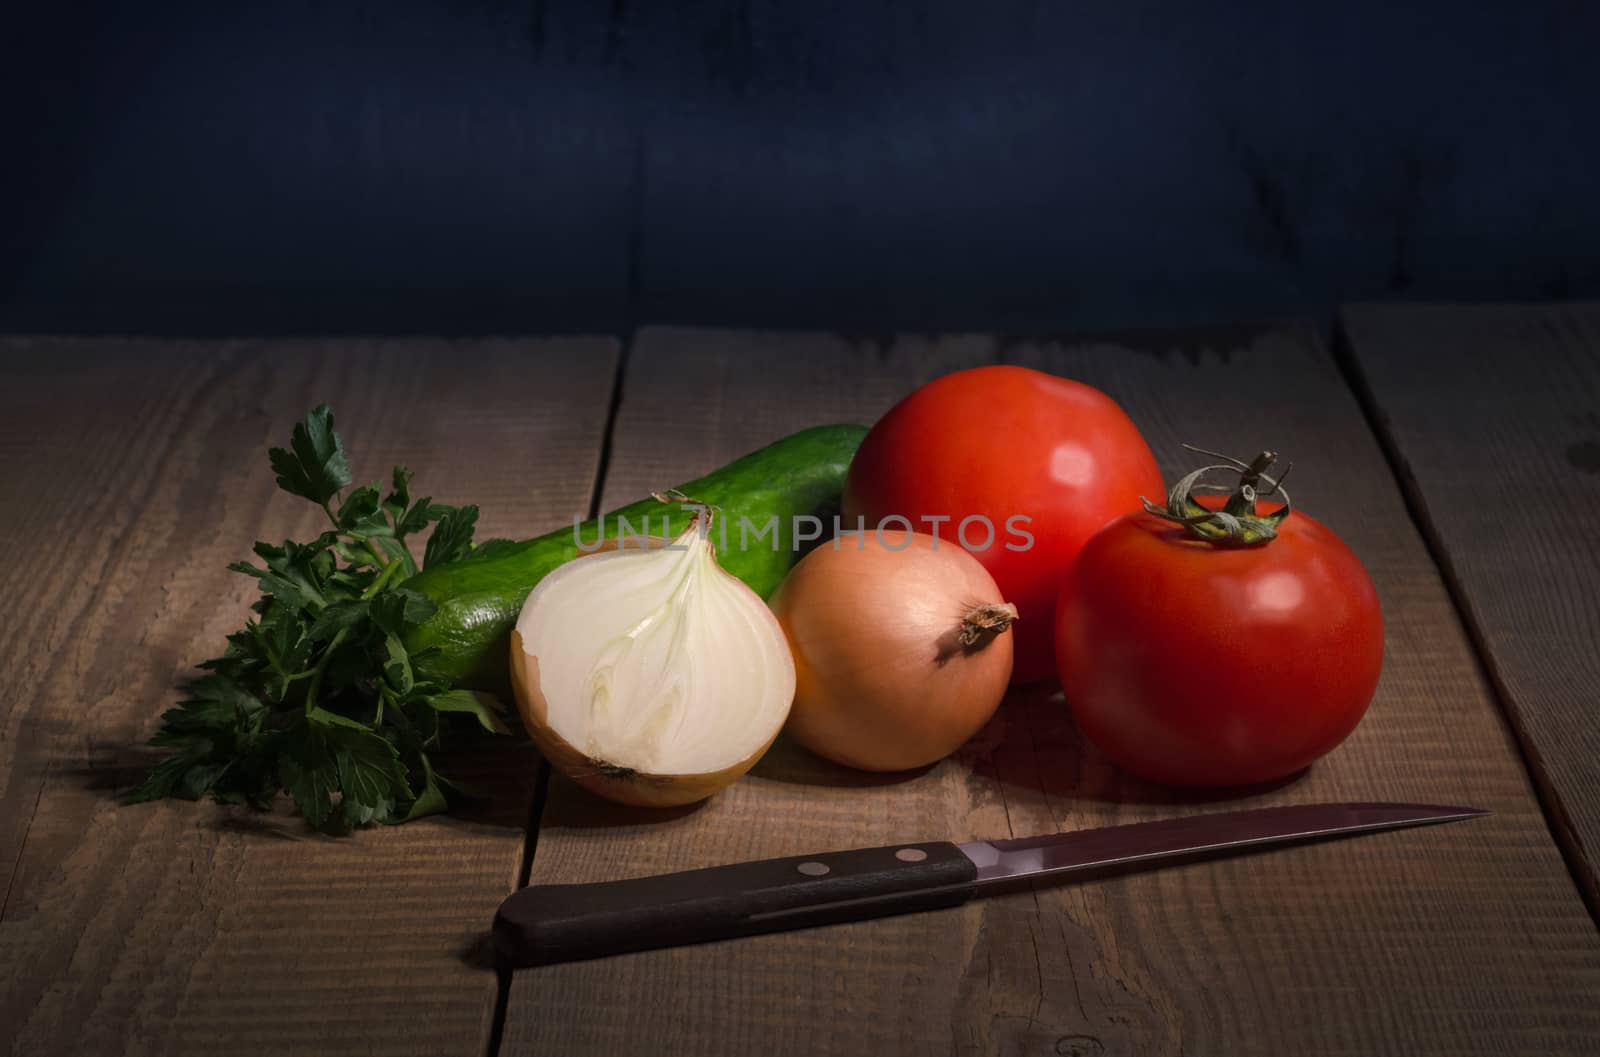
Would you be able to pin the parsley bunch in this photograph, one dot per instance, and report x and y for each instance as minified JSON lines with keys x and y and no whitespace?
{"x":318,"y":695}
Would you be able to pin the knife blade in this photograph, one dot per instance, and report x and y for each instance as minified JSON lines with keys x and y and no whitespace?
{"x":545,"y":924}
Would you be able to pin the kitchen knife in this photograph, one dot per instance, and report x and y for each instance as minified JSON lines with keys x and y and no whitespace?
{"x":542,"y":924}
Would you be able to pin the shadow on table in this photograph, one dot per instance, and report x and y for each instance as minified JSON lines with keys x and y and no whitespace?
{"x":113,"y":769}
{"x":478,"y":952}
{"x":788,"y":762}
{"x":1034,"y":746}
{"x":499,"y":774}
{"x":570,"y":806}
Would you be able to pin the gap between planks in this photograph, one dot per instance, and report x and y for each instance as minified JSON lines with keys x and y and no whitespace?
{"x":541,"y":782}
{"x":1557,"y":820}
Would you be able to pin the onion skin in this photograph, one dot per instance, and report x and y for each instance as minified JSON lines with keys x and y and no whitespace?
{"x":621,"y":785}
{"x":881,"y":684}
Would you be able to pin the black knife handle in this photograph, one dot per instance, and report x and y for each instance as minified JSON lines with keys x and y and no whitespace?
{"x":542,"y":924}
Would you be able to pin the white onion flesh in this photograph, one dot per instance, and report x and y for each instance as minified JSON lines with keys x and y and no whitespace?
{"x":656,"y":661}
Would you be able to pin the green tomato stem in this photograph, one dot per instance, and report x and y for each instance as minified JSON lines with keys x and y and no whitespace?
{"x":1237,"y":524}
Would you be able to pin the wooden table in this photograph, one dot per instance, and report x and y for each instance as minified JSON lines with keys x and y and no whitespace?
{"x":1457,"y":450}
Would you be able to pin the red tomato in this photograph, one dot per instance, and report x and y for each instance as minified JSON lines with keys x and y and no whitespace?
{"x":1191,"y":664}
{"x":1044,"y":460}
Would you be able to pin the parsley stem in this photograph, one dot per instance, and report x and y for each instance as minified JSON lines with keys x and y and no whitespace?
{"x":322,"y":664}
{"x":372,"y":545}
{"x":377,"y":585}
{"x":338,"y":640}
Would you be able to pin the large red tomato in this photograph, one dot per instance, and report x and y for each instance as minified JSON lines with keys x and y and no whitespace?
{"x":1191,"y":663}
{"x":1043,"y":460}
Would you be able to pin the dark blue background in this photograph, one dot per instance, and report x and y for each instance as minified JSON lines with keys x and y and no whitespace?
{"x":468,"y":166}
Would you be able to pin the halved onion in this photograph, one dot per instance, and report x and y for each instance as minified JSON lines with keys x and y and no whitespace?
{"x":649,"y":675}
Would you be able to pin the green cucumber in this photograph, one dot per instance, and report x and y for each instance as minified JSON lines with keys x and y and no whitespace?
{"x":479,"y":597}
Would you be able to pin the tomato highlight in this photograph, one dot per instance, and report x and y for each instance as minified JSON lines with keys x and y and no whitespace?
{"x":1042,"y":461}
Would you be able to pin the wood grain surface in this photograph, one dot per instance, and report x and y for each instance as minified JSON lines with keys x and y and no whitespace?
{"x":134,"y":472}
{"x":1493,"y":414}
{"x":1463,"y":939}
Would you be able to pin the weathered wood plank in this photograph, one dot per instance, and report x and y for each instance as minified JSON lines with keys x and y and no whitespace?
{"x":1456,"y":940}
{"x":1493,"y":413}
{"x":135,"y":472}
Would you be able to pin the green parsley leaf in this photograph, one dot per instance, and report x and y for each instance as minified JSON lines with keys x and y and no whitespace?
{"x":296,"y":573}
{"x":216,"y":704}
{"x":397,"y":664}
{"x":315,"y":466}
{"x":399,"y":497}
{"x":485,"y":708}
{"x":452,"y":537}
{"x":361,"y":516}
{"x":432,"y":800}
{"x":489,"y":548}
{"x":163,"y":780}
{"x":310,"y":772}
{"x":394,"y":609}
{"x":395,"y":549}
{"x":419,"y":517}
{"x":370,"y":772}
{"x":338,"y":617}
{"x":199,"y":779}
